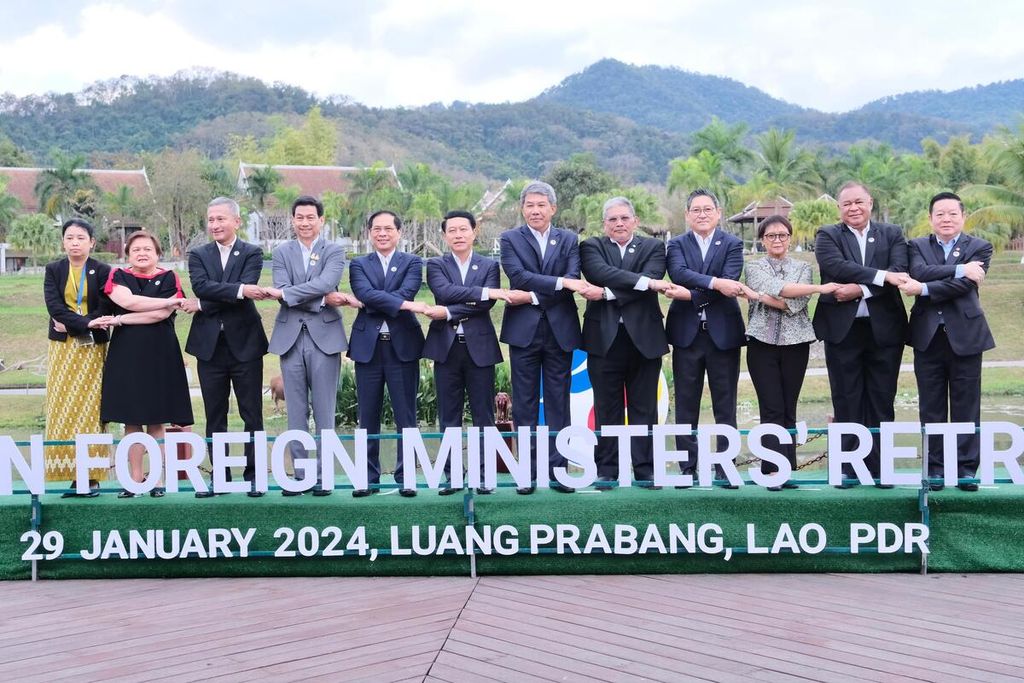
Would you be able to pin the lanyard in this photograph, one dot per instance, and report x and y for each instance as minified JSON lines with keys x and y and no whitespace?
{"x":81,"y":290}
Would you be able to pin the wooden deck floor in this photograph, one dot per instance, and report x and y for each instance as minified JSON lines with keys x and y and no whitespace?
{"x":549,"y":628}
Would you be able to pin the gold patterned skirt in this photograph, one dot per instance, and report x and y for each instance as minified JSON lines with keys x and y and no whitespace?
{"x":73,"y":383}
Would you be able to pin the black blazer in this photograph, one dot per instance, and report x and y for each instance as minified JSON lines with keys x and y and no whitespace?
{"x":640,"y":311}
{"x":54,"y":282}
{"x":839,"y":260}
{"x":464,"y":305}
{"x":685,"y":267}
{"x":521,"y":261}
{"x":382,"y":298}
{"x":217,"y":289}
{"x":956,"y":298}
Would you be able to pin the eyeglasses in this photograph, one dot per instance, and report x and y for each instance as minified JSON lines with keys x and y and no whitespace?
{"x":777,"y":237}
{"x":703,"y":210}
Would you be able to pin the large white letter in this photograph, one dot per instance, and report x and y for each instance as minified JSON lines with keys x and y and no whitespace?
{"x":190,"y":465}
{"x":891,"y":452}
{"x":582,"y":454}
{"x":156,"y":462}
{"x":707,"y":457}
{"x":33,"y":476}
{"x":837,"y":457}
{"x":305,"y":465}
{"x":221,"y":459}
{"x":758,"y":449}
{"x":625,"y":449}
{"x":990,"y":455}
{"x":663,"y":456}
{"x":949,"y":432}
{"x":413,"y":450}
{"x":333,"y":450}
{"x":84,"y":462}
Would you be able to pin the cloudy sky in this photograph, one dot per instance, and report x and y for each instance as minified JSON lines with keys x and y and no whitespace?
{"x":832,"y":56}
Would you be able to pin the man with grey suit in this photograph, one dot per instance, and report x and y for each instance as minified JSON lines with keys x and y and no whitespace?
{"x":308,"y":333}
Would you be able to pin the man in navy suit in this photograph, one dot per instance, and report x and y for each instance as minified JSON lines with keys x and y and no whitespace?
{"x":308,"y":332}
{"x":624,"y":335}
{"x":541,"y":325}
{"x":705,"y":326}
{"x":948,"y":330}
{"x":227,"y":336}
{"x":864,"y":323}
{"x":387,"y":340}
{"x":464,"y":345}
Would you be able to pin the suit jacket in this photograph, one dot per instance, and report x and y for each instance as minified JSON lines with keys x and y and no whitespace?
{"x":839,"y":260}
{"x":640,"y":311}
{"x":686,"y":268}
{"x":221,"y":309}
{"x":521,"y":261}
{"x":55,"y":281}
{"x":303,"y":292}
{"x":465,"y":307}
{"x":382,"y":298}
{"x":956,"y":298}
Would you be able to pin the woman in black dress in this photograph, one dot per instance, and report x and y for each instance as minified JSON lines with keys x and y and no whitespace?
{"x":144,"y":383}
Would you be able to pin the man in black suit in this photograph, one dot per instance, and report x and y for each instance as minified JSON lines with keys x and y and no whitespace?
{"x":227,"y":336}
{"x":541,"y":325}
{"x":705,"y":326}
{"x":387,"y":340}
{"x":864,"y":323}
{"x":624,"y":336}
{"x":948,"y":330}
{"x":464,"y":345}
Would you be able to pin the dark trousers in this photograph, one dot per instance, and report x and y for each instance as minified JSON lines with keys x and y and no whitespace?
{"x":624,"y":376}
{"x":689,"y":365}
{"x":402,"y":379}
{"x":455,"y":378}
{"x":778,"y":374}
{"x":949,"y":390}
{"x":216,"y":377}
{"x":862,"y":377}
{"x":543,"y":357}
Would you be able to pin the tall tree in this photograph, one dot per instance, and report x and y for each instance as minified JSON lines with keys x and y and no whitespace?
{"x":260,"y":186}
{"x":784,"y":168}
{"x":578,"y":175}
{"x":9,"y":208}
{"x":56,"y":187}
{"x":181,"y":197}
{"x":726,"y":142}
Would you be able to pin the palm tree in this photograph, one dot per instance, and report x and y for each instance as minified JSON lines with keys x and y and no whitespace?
{"x":121,"y":203}
{"x":56,"y":187}
{"x":9,"y":208}
{"x":1002,"y":215}
{"x":785,"y":169}
{"x":726,"y":143}
{"x":35,"y":233}
{"x":260,"y":185}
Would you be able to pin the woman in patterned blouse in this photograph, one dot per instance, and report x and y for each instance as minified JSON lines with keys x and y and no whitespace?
{"x":779,"y":332}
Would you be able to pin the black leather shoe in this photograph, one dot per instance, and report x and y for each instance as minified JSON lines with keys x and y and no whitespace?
{"x":526,"y":490}
{"x":362,"y":493}
{"x":255,"y":494}
{"x":289,"y":494}
{"x":731,"y":487}
{"x":125,"y":493}
{"x":484,"y":491}
{"x":562,"y":488}
{"x":848,"y":484}
{"x":605,"y":483}
{"x":684,"y":486}
{"x":774,"y":488}
{"x":885,"y":486}
{"x":790,"y":484}
{"x":649,"y":485}
{"x":969,"y":486}
{"x":447,"y":491}
{"x":158,"y":492}
{"x":320,"y":493}
{"x":936,"y":486}
{"x":407,"y":493}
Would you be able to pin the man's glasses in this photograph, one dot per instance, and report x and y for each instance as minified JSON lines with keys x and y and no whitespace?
{"x":703,"y":210}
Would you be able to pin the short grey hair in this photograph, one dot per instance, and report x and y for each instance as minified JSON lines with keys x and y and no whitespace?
{"x":618,"y":201}
{"x":228,"y":202}
{"x":538,"y":187}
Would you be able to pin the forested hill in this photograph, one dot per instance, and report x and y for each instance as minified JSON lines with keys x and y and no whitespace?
{"x":981,"y":106}
{"x":633,"y":119}
{"x":666,"y":98}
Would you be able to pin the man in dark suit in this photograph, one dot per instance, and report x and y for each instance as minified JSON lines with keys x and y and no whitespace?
{"x":624,"y":336}
{"x":541,"y":326}
{"x":464,"y":345}
{"x":864,"y":323}
{"x":227,"y":336}
{"x":387,"y":340}
{"x":948,"y":330}
{"x":308,"y":333}
{"x":704,"y":327}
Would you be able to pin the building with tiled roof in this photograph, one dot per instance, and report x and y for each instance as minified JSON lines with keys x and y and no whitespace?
{"x":21,"y":183}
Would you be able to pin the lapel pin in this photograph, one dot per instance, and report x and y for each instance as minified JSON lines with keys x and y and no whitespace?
{"x":394,"y":269}
{"x":631,"y":250}
{"x":871,"y":240}
{"x":236,"y":253}
{"x":552,"y":242}
{"x":956,"y":254}
{"x":92,"y":272}
{"x":717,"y":242}
{"x":157,"y":282}
{"x":475,"y":266}
{"x":314,"y":257}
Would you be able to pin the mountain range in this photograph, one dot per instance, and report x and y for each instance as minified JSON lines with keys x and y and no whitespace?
{"x":634,"y":119}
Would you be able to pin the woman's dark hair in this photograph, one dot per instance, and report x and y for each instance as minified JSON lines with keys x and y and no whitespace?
{"x":80,"y":222}
{"x":772,"y":220}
